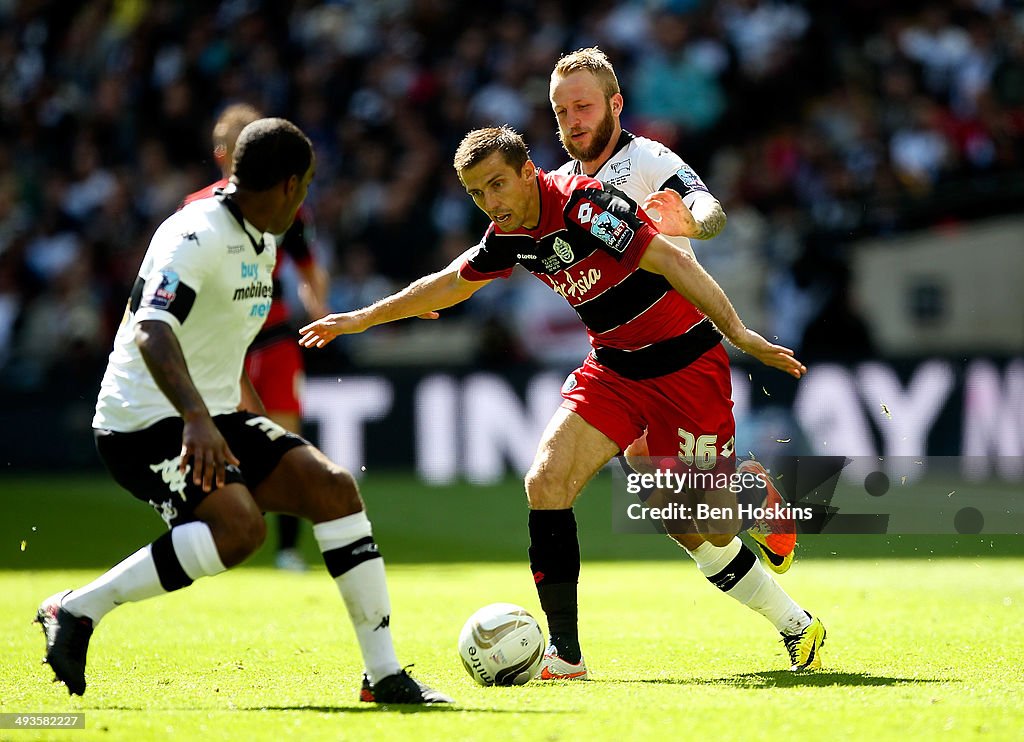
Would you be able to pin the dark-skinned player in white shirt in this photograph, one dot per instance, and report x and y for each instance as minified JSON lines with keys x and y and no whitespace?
{"x":173,"y":424}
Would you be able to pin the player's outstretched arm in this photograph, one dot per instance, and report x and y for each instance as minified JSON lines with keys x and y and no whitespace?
{"x":704,"y":221}
{"x":688,"y":278}
{"x":201,"y":441}
{"x":419,"y":299}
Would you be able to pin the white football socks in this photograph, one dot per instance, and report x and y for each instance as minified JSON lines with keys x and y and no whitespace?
{"x":733,"y":572}
{"x":135,"y":578}
{"x":196,"y":550}
{"x":352,"y":559}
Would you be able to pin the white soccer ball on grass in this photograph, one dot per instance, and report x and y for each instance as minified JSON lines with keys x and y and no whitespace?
{"x":501,"y":644}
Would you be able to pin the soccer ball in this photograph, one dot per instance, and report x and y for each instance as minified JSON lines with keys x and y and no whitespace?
{"x":501,"y":644}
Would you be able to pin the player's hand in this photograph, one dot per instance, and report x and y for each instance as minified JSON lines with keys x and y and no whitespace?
{"x":325,"y":329}
{"x":770,"y":354}
{"x":673,"y":216}
{"x":210,"y":454}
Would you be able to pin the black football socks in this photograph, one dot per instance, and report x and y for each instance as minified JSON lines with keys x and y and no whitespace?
{"x":555,"y":563}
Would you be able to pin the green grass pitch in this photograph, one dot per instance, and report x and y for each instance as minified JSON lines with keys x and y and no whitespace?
{"x":925,"y":637}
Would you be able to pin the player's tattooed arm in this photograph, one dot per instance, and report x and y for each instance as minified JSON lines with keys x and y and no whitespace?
{"x":710,"y":217}
{"x":201,"y":442}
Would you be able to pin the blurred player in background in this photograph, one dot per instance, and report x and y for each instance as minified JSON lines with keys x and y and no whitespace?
{"x":587,"y":104}
{"x":657,"y":361}
{"x":173,"y":425}
{"x":274,"y":362}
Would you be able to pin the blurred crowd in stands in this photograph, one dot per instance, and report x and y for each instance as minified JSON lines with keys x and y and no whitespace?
{"x":814,"y":123}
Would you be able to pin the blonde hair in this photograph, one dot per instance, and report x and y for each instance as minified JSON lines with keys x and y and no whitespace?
{"x":229,"y":125}
{"x":592,"y":60}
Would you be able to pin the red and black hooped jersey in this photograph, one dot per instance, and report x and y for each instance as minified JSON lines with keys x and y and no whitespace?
{"x":587,"y":247}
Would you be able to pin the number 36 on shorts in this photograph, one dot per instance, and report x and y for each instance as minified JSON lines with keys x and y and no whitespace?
{"x":702,"y":451}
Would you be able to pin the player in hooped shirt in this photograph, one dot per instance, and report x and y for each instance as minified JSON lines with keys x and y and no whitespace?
{"x":587,"y":103}
{"x":648,"y":308}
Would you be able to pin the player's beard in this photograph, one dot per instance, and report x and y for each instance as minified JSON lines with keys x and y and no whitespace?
{"x":598,"y":141}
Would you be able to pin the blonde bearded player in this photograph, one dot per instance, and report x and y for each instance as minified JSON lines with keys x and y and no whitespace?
{"x":587,"y":103}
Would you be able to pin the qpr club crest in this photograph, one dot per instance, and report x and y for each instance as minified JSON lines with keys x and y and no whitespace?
{"x":563,"y":250}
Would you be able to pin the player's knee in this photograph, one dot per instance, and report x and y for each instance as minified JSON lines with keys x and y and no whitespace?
{"x":345,"y":491}
{"x":327,"y":493}
{"x":546,"y":492}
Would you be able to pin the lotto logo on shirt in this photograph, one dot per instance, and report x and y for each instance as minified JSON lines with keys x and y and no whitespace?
{"x":612,"y":231}
{"x":164,"y":291}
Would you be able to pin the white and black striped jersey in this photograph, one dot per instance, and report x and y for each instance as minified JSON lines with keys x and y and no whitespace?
{"x":207,"y":273}
{"x":641,"y":166}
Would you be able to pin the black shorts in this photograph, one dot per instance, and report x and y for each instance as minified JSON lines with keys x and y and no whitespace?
{"x":145,"y":462}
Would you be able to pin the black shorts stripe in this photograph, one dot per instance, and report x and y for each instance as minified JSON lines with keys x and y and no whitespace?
{"x":623,"y":302}
{"x":341,"y":560}
{"x":735,"y":571}
{"x":168,"y":567}
{"x":666,"y":357}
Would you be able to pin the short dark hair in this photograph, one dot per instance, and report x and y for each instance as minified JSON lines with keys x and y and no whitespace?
{"x":480,"y":144}
{"x":269,"y":151}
